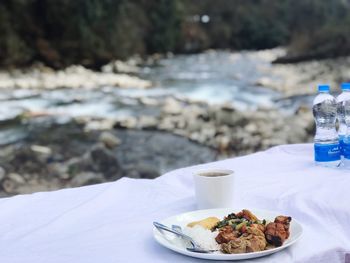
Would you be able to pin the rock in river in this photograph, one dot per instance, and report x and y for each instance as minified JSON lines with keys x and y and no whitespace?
{"x":105,"y":160}
{"x":109,"y":140}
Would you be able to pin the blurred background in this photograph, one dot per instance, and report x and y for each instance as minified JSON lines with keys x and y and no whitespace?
{"x":95,"y":90}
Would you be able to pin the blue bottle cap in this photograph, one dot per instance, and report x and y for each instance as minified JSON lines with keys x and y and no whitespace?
{"x":345,"y":86}
{"x":323,"y":87}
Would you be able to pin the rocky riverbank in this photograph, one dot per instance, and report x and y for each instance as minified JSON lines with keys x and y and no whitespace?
{"x":223,"y":127}
{"x":76,"y":76}
{"x":77,"y":127}
{"x":303,"y":78}
{"x":80,"y":151}
{"x":56,"y":155}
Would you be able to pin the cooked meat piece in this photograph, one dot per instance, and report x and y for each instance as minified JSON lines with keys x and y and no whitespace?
{"x":256,"y":243}
{"x":261,"y":227}
{"x":247,"y":215}
{"x":226,"y":234}
{"x":234,"y":246}
{"x":251,"y":241}
{"x":254,"y":231}
{"x":255,"y":239}
{"x":226,"y":229}
{"x":283,"y":220}
{"x":248,"y":234}
{"x":276,"y":233}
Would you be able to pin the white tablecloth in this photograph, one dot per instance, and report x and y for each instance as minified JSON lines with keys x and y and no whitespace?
{"x":112,"y":222}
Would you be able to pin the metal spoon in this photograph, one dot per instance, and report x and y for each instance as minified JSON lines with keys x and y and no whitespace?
{"x":175,"y":230}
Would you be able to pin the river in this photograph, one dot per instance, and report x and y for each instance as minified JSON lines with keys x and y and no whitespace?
{"x":215,"y":77}
{"x":199,"y":108}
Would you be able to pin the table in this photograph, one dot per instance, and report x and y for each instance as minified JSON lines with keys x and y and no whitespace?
{"x":112,"y":222}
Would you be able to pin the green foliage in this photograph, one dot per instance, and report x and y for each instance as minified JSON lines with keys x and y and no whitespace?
{"x":249,"y":24}
{"x":320,"y":29}
{"x":98,"y":31}
{"x":13,"y":50}
{"x":92,"y":32}
{"x":258,"y":30}
{"x":165,"y":18}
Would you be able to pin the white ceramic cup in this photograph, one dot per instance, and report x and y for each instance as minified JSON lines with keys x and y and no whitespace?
{"x":214,"y":188}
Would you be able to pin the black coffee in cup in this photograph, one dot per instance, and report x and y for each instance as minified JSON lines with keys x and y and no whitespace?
{"x":213,"y":174}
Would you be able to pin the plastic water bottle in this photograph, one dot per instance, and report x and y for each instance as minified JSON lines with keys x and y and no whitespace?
{"x":342,"y":101}
{"x":327,"y":151}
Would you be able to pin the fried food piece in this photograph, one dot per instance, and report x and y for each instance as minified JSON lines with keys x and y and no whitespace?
{"x":247,"y":215}
{"x":278,"y":231}
{"x":226,"y":234}
{"x":255,"y":244}
{"x":207,"y":223}
{"x":251,"y":241}
{"x":283,"y":220}
{"x":255,"y":239}
{"x":235,"y":246}
{"x":261,"y":227}
{"x":275,"y":234}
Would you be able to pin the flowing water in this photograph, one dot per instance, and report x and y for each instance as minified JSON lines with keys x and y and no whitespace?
{"x":215,"y":77}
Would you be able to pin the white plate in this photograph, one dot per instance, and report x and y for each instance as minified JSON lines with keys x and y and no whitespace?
{"x":182,"y":220}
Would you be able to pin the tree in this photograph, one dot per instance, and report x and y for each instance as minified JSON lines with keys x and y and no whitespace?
{"x":165,"y":20}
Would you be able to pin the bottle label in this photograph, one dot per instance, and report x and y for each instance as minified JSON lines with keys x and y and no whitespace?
{"x":327,"y":152}
{"x":341,"y":144}
{"x":346,"y":150}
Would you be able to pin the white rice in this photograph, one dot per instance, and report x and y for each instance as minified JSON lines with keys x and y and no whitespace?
{"x":203,"y":237}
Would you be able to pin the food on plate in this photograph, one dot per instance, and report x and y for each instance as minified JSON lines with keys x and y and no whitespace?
{"x":205,"y":238}
{"x":226,"y":234}
{"x":278,"y":231}
{"x":207,"y":223}
{"x":242,"y":232}
{"x":252,"y":240}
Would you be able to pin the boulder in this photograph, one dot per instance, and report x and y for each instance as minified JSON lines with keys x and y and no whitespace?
{"x":8,"y":186}
{"x":148,"y":122}
{"x":194,"y":125}
{"x":41,"y":152}
{"x":251,"y":128}
{"x":16,"y":178}
{"x":119,"y":66}
{"x":228,"y":115}
{"x":265,"y":82}
{"x":74,"y":166}
{"x":127,"y":123}
{"x":105,"y":161}
{"x":132,"y":174}
{"x":2,"y":173}
{"x":109,"y":140}
{"x":99,"y":125}
{"x":144,"y":170}
{"x":166,"y":124}
{"x":223,"y":143}
{"x":59,"y":170}
{"x":87,"y":178}
{"x":197,"y":136}
{"x":208,"y":130}
{"x":148,"y":101}
{"x":172,"y":106}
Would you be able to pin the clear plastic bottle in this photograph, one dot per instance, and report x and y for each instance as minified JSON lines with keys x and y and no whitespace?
{"x":344,"y":116}
{"x":326,"y":142}
{"x":342,"y":100}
